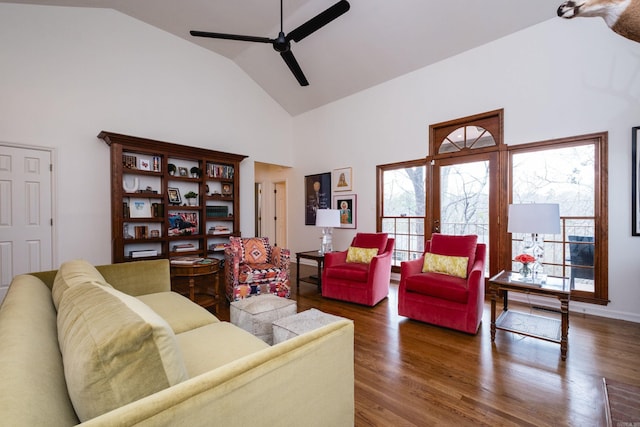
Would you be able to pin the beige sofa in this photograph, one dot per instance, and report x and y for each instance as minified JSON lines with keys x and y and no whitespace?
{"x":74,"y":350}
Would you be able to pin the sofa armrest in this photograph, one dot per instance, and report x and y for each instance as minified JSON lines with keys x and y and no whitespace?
{"x":231,"y":265}
{"x":281,"y":257}
{"x":334,"y":258}
{"x":315,"y":396}
{"x":409,"y":268}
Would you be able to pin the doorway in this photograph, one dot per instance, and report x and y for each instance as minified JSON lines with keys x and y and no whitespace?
{"x":26,"y":212}
{"x":271,"y":202}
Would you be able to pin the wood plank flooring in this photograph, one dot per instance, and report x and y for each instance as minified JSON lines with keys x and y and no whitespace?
{"x":409,"y":373}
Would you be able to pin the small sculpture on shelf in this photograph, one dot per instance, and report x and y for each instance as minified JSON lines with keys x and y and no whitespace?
{"x":171,"y":168}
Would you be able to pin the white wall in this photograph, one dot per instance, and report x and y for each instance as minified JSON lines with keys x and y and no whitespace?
{"x":68,"y":73}
{"x":559,"y":78}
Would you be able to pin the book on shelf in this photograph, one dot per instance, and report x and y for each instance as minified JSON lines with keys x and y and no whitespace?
{"x":217,"y":246}
{"x":185,"y":260}
{"x":143,"y":253}
{"x":186,"y":247}
{"x":219,"y":229}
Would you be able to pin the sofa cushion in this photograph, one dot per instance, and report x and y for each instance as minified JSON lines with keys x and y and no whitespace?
{"x":464,"y":246}
{"x":256,"y":250}
{"x":361,"y":255}
{"x":371,"y":240}
{"x":258,"y":273}
{"x":440,"y":286}
{"x":215,"y":345}
{"x":178,"y":311}
{"x":72,"y":273}
{"x":451,"y":265}
{"x":353,"y":271}
{"x":115,"y":349}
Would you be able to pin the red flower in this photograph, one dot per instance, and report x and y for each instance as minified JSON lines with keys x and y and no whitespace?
{"x":525,"y":258}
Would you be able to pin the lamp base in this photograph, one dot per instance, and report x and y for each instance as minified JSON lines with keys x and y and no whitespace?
{"x":327,"y":241}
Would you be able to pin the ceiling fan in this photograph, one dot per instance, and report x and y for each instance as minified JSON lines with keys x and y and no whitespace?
{"x":282,"y":43}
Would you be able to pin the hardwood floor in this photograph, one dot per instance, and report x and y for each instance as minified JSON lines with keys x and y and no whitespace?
{"x":409,"y":373}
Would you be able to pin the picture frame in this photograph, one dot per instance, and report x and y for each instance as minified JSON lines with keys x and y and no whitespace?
{"x":139,"y":208}
{"x":317,"y":195}
{"x":183,"y":223}
{"x":341,"y":179}
{"x":227,"y":189}
{"x":635,"y":181}
{"x":348,"y":206}
{"x":182,"y":171}
{"x":144,"y":164}
{"x":174,"y":195}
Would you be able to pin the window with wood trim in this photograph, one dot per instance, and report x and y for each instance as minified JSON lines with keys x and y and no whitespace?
{"x":571,"y":172}
{"x":401,"y":207}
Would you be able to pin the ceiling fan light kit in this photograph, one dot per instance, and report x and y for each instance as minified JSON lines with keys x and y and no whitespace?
{"x":282,"y":43}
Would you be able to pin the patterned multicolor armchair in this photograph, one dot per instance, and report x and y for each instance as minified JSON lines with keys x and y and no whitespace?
{"x":253,"y":267}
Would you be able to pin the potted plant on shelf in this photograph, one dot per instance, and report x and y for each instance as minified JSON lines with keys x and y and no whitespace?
{"x":195,"y":172}
{"x":171,"y":168}
{"x":191,"y":198}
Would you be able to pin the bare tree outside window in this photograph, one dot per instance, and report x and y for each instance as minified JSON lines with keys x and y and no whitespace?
{"x":566,"y":176}
{"x":403,"y":208}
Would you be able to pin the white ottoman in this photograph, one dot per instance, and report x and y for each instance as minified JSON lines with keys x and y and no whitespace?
{"x":256,"y":314}
{"x":292,"y":326}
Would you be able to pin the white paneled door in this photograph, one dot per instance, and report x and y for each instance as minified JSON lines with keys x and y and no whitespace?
{"x":25,"y":212}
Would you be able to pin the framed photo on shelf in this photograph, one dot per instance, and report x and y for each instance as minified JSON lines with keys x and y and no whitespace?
{"x":227,"y":189}
{"x":347,"y":204}
{"x":182,"y":171}
{"x":183,"y":223}
{"x":341,"y":179}
{"x":317,"y":195}
{"x":174,"y":195}
{"x":139,"y":208}
{"x":635,"y":181}
{"x":144,"y":164}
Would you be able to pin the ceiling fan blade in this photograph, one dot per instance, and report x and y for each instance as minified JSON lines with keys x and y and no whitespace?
{"x":294,"y":67}
{"x":231,"y":37}
{"x":319,"y":21}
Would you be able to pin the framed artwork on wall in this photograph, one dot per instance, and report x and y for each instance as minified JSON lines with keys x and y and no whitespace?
{"x":347,"y":204}
{"x":635,"y":184}
{"x":317,"y":195}
{"x":341,"y":179}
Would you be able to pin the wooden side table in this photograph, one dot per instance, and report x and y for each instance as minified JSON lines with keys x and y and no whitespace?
{"x":202,"y":280}
{"x":557,"y":287}
{"x":319,"y":259}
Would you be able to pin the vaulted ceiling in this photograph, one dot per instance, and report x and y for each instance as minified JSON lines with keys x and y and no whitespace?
{"x":375,"y":41}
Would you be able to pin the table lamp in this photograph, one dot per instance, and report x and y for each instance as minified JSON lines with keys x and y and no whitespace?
{"x":534,"y":219}
{"x":328,"y":219}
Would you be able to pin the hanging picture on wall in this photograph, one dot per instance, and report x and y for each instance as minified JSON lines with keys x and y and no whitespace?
{"x":341,"y":179}
{"x":347,"y":205}
{"x":635,"y":182}
{"x":317,"y":195}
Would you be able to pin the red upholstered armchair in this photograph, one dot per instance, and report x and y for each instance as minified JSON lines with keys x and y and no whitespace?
{"x":252,"y":267}
{"x":361,"y":282}
{"x":444,"y":298}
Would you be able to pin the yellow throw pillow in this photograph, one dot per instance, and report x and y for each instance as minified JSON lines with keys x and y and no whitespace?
{"x":361,"y":255}
{"x":450,"y":265}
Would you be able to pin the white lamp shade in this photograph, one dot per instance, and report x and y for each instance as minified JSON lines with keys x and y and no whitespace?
{"x":539,"y":218}
{"x":328,"y":218}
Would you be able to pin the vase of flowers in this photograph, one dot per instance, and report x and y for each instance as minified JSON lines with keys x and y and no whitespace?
{"x":525,"y":260}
